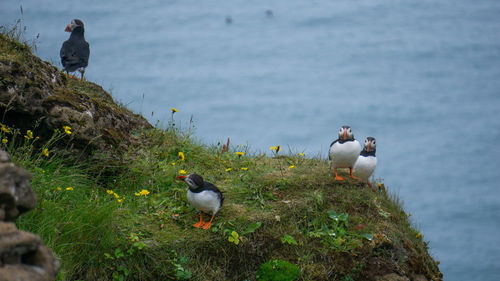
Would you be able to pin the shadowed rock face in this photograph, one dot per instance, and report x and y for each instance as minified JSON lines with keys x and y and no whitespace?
{"x":22,"y":254}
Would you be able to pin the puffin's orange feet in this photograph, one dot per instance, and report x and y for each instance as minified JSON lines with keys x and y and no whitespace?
{"x":208,"y":224}
{"x":351,"y":176}
{"x":337,"y":177}
{"x":200,"y":223}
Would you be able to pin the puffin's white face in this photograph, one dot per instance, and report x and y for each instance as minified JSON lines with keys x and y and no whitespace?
{"x":370,"y":144}
{"x":345,"y":133}
{"x":74,"y":23}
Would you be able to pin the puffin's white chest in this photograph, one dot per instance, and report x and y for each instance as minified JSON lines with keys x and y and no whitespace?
{"x":364,"y":166}
{"x":206,"y":201}
{"x":344,"y":155}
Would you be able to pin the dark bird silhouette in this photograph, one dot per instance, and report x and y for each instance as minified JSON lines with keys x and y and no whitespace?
{"x":75,"y":51}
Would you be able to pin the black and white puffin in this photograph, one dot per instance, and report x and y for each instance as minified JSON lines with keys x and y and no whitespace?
{"x":344,"y":151}
{"x":75,"y":51}
{"x":367,"y":161}
{"x":204,"y":196}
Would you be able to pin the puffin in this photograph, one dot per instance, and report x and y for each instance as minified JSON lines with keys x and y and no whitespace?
{"x":367,"y":161}
{"x":204,"y":196}
{"x":75,"y":51}
{"x":344,"y":151}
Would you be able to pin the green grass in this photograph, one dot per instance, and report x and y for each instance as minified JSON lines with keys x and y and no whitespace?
{"x":150,"y":237}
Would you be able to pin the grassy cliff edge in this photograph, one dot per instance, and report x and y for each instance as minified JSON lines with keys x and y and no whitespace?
{"x":118,"y":213}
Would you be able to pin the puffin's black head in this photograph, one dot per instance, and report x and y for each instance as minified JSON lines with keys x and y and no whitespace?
{"x":193,"y":180}
{"x":74,"y":23}
{"x":345,"y":133}
{"x":370,"y":144}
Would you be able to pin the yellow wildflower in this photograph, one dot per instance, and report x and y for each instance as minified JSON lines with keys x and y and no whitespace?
{"x":301,"y":154}
{"x":109,"y":191}
{"x":244,"y":168}
{"x":67,"y":130}
{"x":276,"y":148}
{"x":181,"y":156}
{"x":379,"y":184}
{"x":37,"y":138}
{"x":240,"y":153}
{"x":29,"y":135}
{"x":173,"y":163}
{"x":143,"y":192}
{"x":69,"y":188}
{"x":174,"y":110}
{"x":5,"y":129}
{"x":228,"y":169}
{"x":4,"y":140}
{"x":182,"y":172}
{"x":116,"y":195}
{"x":291,"y":167}
{"x":419,"y":235}
{"x":120,"y":200}
{"x":58,"y":188}
{"x":45,"y":152}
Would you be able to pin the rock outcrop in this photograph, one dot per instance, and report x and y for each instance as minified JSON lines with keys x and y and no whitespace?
{"x":36,"y":92}
{"x":22,"y":255}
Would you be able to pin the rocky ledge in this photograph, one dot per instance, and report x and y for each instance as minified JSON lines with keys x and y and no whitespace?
{"x":22,"y":254}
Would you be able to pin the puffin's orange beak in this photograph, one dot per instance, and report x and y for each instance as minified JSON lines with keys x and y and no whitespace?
{"x":345,"y":134}
{"x":368,"y":147}
{"x":68,"y":28}
{"x":181,"y":177}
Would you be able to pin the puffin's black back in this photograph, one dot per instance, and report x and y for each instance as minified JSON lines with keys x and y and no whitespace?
{"x":75,"y":51}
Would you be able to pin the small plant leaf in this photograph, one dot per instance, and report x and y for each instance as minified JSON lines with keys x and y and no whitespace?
{"x":252,"y":228}
{"x":367,"y":236}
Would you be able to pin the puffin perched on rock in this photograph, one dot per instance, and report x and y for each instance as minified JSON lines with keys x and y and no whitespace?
{"x":75,"y":51}
{"x":204,"y":196}
{"x":367,"y":161}
{"x":344,"y":151}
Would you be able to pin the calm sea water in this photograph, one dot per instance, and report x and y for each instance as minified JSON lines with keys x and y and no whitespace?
{"x":423,"y":77}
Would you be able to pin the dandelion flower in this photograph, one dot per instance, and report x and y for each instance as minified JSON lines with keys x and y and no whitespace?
{"x":174,"y":110}
{"x":29,"y":135}
{"x":173,"y":163}
{"x":240,"y":153}
{"x":244,"y":168}
{"x":119,"y":200}
{"x":181,"y":155}
{"x":143,"y":192}
{"x":69,"y":188}
{"x":4,"y":140}
{"x":5,"y":129}
{"x":46,"y":152}
{"x":301,"y":154}
{"x":109,"y":191}
{"x":116,"y":195}
{"x":67,"y":130}
{"x":275,"y":148}
{"x":379,"y":184}
{"x":228,"y":169}
{"x":291,"y":167}
{"x":182,"y":172}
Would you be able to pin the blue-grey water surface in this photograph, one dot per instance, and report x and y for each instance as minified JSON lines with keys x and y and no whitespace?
{"x":423,"y":77}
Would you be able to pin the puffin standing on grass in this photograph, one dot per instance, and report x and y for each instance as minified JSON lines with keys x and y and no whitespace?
{"x":75,"y":51}
{"x":204,"y":196}
{"x":344,"y":151}
{"x":367,"y":162}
